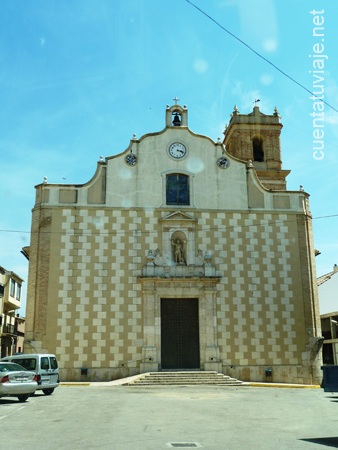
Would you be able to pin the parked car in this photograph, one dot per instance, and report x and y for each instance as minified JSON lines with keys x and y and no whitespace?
{"x":16,"y":381}
{"x":45,"y":366}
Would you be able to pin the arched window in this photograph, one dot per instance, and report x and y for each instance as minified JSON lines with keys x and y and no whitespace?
{"x":177,"y":119}
{"x":257,"y":146}
{"x":177,"y":189}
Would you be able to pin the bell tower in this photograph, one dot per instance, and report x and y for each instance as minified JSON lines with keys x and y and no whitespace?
{"x":176,"y":116}
{"x":255,"y":137}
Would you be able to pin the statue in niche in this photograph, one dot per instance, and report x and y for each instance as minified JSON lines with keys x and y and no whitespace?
{"x":179,"y":247}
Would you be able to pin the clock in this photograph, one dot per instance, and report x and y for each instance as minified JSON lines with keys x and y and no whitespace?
{"x":223,"y":163}
{"x":177,"y":150}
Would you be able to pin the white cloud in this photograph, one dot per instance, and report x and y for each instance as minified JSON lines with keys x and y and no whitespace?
{"x":270,"y":45}
{"x":201,"y":65}
{"x":246,"y":97}
{"x":266,"y":79}
{"x":331,"y":118}
{"x":259,"y":23}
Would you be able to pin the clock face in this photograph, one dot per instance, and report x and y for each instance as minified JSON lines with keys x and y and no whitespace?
{"x":177,"y":150}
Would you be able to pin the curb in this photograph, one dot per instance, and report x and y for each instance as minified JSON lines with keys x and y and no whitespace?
{"x":282,"y":385}
{"x":248,"y":384}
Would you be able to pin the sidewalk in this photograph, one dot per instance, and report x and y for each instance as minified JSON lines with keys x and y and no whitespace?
{"x":122,"y":381}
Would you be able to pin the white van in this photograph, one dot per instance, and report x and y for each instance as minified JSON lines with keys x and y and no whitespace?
{"x":45,"y":366}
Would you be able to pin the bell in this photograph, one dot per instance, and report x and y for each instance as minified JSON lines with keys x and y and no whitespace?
{"x":177,"y":120}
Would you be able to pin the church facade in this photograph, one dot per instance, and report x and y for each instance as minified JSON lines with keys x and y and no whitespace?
{"x":180,"y":253}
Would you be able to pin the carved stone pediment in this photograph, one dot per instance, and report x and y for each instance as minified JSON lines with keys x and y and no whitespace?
{"x":178,"y":216}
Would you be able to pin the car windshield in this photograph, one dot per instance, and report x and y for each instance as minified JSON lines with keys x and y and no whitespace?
{"x":10,"y":367}
{"x":27,"y":363}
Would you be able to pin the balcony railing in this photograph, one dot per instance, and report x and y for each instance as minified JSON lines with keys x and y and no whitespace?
{"x":9,"y":329}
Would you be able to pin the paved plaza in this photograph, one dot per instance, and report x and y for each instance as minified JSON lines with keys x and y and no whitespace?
{"x":102,"y":416}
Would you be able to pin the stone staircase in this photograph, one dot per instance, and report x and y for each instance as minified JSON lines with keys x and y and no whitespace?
{"x":184,"y":379}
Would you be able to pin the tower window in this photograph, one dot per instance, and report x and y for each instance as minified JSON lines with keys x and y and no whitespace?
{"x":177,"y":189}
{"x":257,"y":146}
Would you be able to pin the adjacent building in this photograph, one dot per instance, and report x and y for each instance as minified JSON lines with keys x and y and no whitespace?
{"x":329,"y":324}
{"x":329,"y":320}
{"x":11,"y":339}
{"x":180,"y":253}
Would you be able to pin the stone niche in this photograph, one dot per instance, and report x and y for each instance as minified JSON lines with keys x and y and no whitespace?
{"x":178,"y":256}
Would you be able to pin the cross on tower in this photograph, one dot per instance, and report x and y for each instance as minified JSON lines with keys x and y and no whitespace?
{"x":176,"y":99}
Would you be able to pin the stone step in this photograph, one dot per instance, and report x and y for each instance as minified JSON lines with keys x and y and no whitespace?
{"x":184,"y":378}
{"x":185,"y":374}
{"x":184,"y":383}
{"x":193,"y":380}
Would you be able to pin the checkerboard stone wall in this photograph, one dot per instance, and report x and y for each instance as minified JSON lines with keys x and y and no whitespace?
{"x":257,"y":308}
{"x":99,"y":310}
{"x":96,"y":311}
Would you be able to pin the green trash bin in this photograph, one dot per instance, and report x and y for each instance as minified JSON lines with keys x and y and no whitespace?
{"x":330,"y":378}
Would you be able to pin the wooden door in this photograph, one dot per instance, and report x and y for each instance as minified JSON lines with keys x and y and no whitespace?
{"x":180,"y":333}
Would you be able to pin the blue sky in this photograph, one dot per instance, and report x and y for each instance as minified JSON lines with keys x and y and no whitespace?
{"x":78,"y":78}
